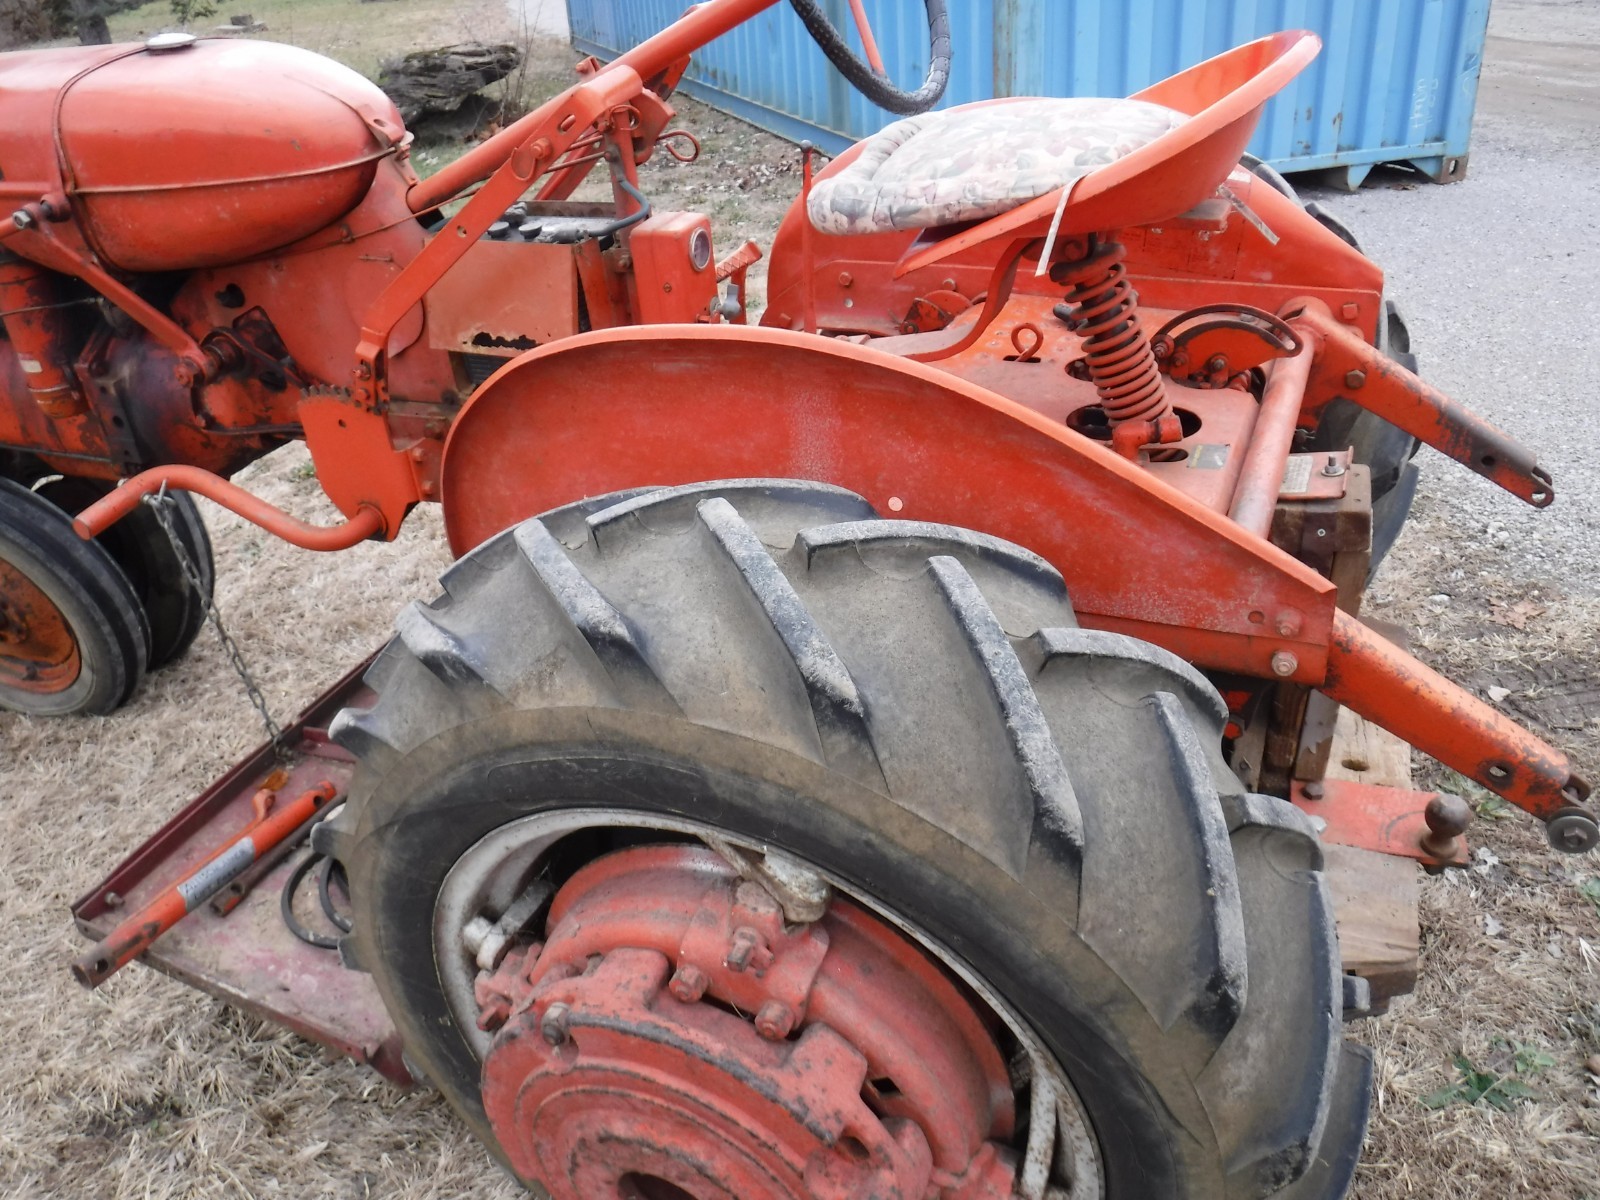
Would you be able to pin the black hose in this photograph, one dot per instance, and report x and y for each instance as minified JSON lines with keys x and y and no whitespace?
{"x":286,"y":906}
{"x":868,"y":82}
{"x":332,"y":913}
{"x":632,"y":218}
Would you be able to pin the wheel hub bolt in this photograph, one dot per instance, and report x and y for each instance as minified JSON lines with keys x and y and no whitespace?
{"x":741,"y":948}
{"x":553,"y":1025}
{"x":688,"y":983}
{"x":775,"y":1021}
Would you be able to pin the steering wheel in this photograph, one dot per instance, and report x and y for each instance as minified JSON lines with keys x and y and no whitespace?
{"x":869,"y":77}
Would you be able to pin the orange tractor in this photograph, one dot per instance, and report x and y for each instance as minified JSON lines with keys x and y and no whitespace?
{"x":879,"y":752}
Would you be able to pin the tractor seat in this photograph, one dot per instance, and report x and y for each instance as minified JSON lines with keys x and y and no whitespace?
{"x":977,"y":161}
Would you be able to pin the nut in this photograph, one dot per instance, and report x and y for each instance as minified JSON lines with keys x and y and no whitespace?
{"x":553,"y":1025}
{"x":688,"y":983}
{"x":775,"y":1020}
{"x":1284,"y":664}
{"x":1355,"y":379}
{"x":742,"y":948}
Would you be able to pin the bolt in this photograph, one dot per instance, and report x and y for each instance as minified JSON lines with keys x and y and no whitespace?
{"x":113,"y":900}
{"x":22,"y":218}
{"x":1355,"y":379}
{"x":1350,"y":310}
{"x":666,"y":287}
{"x":688,"y":983}
{"x":1216,"y":363}
{"x":743,"y":946}
{"x":1313,"y":791}
{"x":363,"y":370}
{"x":418,"y":454}
{"x":553,"y":1026}
{"x":1284,"y":664}
{"x":1288,"y":623}
{"x":775,"y":1020}
{"x":475,"y":932}
{"x":949,"y":285}
{"x":846,"y":279}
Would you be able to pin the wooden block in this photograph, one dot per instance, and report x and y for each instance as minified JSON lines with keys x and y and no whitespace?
{"x":1375,"y":896}
{"x":1375,"y":904}
{"x":1366,"y":753}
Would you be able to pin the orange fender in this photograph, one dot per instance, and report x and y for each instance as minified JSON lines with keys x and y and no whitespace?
{"x":682,"y":404}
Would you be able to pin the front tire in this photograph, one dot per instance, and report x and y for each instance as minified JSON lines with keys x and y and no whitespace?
{"x":73,"y":639}
{"x":912,"y":710}
{"x":174,"y":607}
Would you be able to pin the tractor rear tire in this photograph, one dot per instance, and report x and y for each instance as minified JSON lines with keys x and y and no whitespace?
{"x":911,"y":709}
{"x":73,"y":638}
{"x":174,"y":607}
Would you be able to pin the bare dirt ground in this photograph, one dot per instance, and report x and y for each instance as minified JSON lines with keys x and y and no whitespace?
{"x":146,"y":1089}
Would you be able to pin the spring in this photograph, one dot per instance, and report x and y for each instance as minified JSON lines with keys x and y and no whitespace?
{"x":1103,"y":310}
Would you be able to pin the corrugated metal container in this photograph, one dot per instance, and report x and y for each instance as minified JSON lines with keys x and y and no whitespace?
{"x":1397,"y":80}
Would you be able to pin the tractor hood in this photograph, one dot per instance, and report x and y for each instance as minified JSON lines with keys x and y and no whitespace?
{"x":182,"y":153}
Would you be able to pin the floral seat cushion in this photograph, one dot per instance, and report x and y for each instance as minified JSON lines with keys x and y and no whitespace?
{"x":964,"y":165}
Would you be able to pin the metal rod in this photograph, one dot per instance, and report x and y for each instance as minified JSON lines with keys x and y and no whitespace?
{"x":808,"y":257}
{"x":139,"y":932}
{"x":111,"y":508}
{"x":1348,"y":366}
{"x":869,"y":44}
{"x":1383,"y":683}
{"x":1255,"y":496}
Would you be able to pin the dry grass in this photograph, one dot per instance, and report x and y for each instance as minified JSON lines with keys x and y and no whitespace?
{"x":146,"y":1089}
{"x":1511,"y":948}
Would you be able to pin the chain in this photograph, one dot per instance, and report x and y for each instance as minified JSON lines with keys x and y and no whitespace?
{"x":160,"y":503}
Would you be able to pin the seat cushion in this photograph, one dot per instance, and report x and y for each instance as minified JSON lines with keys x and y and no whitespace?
{"x":967,"y":164}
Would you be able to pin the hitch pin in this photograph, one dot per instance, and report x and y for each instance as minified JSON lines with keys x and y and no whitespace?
{"x":138,"y":932}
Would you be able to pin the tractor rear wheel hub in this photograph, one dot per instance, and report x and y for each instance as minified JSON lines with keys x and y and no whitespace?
{"x":676,"y":1039}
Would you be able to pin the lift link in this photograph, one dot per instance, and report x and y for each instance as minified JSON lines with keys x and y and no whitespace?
{"x":1347,"y":366}
{"x":1384,"y":684}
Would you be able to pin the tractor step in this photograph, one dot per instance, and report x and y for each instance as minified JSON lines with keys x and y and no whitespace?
{"x":248,"y":958}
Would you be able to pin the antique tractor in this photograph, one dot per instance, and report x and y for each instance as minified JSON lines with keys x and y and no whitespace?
{"x":874,"y":753}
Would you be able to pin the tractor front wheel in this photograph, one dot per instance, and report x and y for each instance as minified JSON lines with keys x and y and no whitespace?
{"x":728,"y":841}
{"x":173,"y":605}
{"x":73,"y":638}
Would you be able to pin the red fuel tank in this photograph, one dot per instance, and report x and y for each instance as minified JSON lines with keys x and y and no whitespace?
{"x":193,"y":153}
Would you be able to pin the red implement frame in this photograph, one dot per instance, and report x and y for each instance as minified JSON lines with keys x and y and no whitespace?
{"x":249,"y":958}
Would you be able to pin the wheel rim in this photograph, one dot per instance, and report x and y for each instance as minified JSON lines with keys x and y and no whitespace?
{"x":675,"y":1036}
{"x":38,"y":652}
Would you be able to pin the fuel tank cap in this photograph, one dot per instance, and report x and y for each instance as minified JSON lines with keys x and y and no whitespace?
{"x":161,"y":43}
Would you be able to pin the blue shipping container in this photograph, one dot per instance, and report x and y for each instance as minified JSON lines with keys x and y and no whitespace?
{"x":1396,"y":81}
